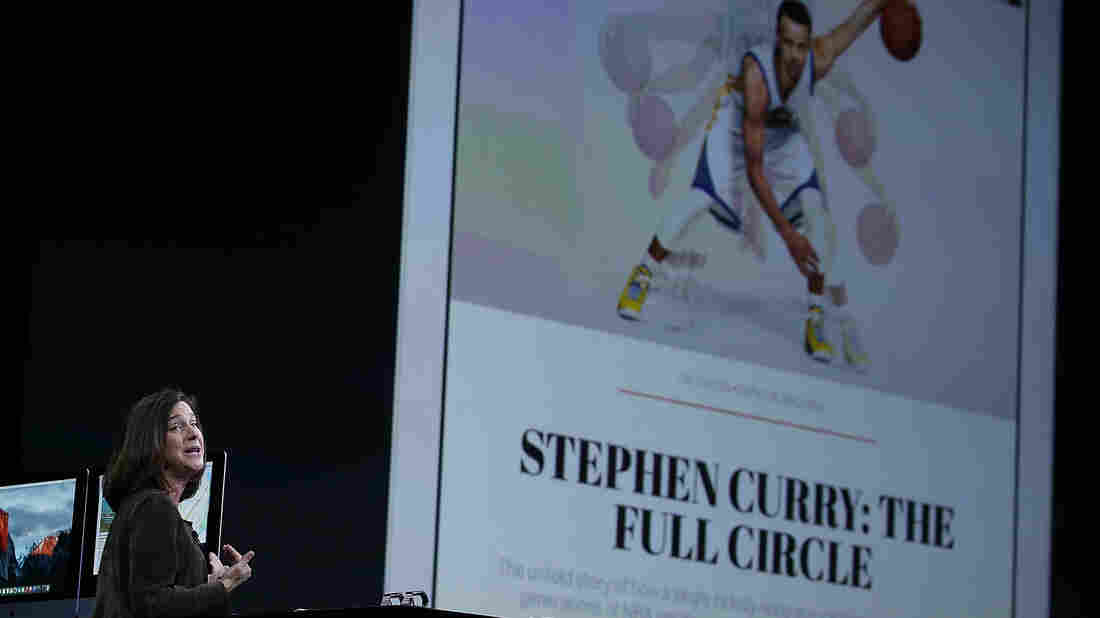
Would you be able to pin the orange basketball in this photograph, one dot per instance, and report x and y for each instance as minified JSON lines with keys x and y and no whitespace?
{"x":901,"y":29}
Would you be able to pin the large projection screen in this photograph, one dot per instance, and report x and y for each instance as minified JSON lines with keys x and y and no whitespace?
{"x":551,"y":458}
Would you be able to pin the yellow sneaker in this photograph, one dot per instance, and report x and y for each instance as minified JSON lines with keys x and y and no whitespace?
{"x":818,"y":345}
{"x":634,"y":294}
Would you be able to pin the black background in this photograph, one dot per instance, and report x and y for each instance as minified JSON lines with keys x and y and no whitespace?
{"x":192,"y":236}
{"x":224,"y":272}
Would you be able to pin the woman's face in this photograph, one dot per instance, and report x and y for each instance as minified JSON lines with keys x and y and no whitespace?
{"x":184,"y":450}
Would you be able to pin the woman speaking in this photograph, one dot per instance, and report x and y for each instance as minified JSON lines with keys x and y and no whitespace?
{"x":152,"y":563}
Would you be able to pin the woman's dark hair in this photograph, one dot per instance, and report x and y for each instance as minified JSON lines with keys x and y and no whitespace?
{"x":796,"y":12}
{"x":139,"y":462}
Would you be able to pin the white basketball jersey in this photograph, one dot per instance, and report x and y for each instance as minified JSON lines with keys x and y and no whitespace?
{"x":782,"y":121}
{"x":800,"y":94}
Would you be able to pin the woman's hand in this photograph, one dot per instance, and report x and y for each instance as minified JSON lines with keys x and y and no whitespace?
{"x":233,"y":576}
{"x":217,"y":569}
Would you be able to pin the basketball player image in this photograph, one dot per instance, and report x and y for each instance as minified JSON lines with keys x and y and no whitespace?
{"x":760,"y":145}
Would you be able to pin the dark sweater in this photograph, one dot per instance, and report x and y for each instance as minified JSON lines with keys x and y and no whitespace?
{"x":152,"y":565}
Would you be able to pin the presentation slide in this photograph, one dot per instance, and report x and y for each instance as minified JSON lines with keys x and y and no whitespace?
{"x":740,"y":303}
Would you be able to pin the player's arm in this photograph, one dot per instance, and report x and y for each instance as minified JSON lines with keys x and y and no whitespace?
{"x":753,"y":123}
{"x":829,"y":47}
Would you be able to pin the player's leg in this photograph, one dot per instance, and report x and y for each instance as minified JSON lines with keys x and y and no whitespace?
{"x":663,"y":258}
{"x":830,"y":327}
{"x":855,"y":354}
{"x":662,"y":261}
{"x":851,"y":341}
{"x":807,"y":211}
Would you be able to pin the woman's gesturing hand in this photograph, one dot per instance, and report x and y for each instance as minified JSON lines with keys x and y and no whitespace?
{"x":231,"y":576}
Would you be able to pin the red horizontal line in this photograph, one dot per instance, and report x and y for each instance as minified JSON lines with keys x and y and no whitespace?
{"x":752,"y":417}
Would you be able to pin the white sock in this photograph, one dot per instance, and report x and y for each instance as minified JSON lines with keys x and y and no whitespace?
{"x":839,"y":313}
{"x":815,"y":300}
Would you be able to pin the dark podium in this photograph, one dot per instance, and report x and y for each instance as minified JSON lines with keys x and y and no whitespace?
{"x":65,"y":609}
{"x":381,"y":611}
{"x":393,"y":605}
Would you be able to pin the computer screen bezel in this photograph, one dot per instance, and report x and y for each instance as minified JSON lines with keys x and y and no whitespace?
{"x":72,"y":579}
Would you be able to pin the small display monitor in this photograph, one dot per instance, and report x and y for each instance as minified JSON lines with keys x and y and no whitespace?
{"x":204,"y":511}
{"x":42,"y":523}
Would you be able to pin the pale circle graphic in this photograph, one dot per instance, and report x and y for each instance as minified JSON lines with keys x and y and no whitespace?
{"x":878,"y":233}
